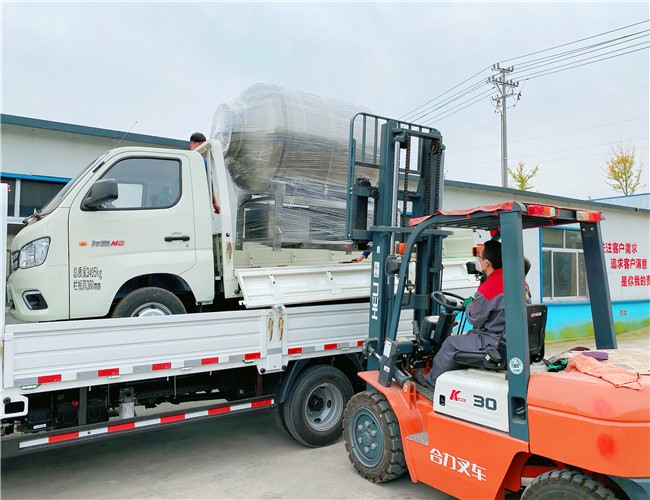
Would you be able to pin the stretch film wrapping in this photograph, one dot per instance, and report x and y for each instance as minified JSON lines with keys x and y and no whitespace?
{"x":287,"y":153}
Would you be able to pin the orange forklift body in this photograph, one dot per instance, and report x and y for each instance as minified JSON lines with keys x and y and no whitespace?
{"x":591,"y":424}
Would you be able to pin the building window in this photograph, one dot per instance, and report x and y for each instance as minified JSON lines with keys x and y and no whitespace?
{"x":27,"y":195}
{"x":563,"y":265}
{"x":12,"y":195}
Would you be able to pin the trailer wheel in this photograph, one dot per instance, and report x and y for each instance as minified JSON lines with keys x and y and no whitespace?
{"x":149,"y":301}
{"x":372,"y":437}
{"x":313,"y":413}
{"x":565,"y":484}
{"x":278,"y":414}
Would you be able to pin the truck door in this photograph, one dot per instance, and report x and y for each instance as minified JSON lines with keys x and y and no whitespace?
{"x":148,"y":229}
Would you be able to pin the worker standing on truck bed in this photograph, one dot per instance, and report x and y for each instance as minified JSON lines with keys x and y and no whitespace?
{"x":196,"y":139}
{"x":485,"y":312}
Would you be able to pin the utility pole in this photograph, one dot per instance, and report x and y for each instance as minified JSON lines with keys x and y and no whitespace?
{"x":504,"y":86}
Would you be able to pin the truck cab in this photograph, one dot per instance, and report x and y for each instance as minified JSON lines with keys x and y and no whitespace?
{"x":133,"y":219}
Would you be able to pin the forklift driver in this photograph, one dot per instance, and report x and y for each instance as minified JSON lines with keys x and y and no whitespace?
{"x":485,"y":311}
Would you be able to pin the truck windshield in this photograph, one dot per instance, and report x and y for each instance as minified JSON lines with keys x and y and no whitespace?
{"x":56,"y":201}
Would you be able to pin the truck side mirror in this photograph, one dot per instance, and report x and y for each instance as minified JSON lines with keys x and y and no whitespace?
{"x":102,"y":191}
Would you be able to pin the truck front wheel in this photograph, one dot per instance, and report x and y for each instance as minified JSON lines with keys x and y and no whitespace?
{"x":149,"y":301}
{"x":313,"y":413}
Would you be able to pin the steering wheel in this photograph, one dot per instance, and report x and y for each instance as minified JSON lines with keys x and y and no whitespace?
{"x":446,"y":300}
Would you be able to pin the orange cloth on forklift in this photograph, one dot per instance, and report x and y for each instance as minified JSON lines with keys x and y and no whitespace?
{"x":620,"y":377}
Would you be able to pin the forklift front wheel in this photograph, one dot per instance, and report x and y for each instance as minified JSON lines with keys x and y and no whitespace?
{"x":372,"y":437}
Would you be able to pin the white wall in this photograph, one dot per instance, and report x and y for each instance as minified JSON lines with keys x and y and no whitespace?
{"x":619,"y":226}
{"x":35,"y":151}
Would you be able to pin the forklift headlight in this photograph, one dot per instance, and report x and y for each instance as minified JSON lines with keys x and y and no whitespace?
{"x":33,"y":254}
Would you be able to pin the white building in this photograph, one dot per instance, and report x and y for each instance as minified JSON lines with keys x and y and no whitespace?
{"x":39,"y":157}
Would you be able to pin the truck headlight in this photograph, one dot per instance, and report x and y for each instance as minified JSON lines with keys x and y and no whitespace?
{"x":33,"y":254}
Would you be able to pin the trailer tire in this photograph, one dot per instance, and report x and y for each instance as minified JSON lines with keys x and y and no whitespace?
{"x":372,"y":438}
{"x":149,"y":301}
{"x":313,"y":412}
{"x":278,"y":414}
{"x":565,"y":484}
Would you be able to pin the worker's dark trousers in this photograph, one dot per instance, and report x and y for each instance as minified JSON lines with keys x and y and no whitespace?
{"x":473,"y":341}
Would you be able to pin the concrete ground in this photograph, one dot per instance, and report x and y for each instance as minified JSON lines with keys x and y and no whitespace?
{"x":638,"y":339}
{"x":242,"y":457}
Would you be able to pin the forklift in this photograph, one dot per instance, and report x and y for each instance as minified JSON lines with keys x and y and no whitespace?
{"x":504,"y":423}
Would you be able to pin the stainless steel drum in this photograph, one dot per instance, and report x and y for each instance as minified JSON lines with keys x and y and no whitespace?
{"x":273,"y":136}
{"x":287,"y":153}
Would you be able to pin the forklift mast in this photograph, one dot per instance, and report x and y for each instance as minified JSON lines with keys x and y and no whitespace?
{"x":395,"y":174}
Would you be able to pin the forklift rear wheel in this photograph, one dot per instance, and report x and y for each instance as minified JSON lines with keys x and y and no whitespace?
{"x":314,"y":411}
{"x":149,"y":301}
{"x":372,"y":437}
{"x":565,"y":484}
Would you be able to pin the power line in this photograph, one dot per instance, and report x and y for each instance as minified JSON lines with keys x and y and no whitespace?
{"x":495,"y":166}
{"x":545,"y":61}
{"x":582,"y":147}
{"x":435,"y":109}
{"x":443,"y":115}
{"x":548,"y":71}
{"x":554,"y":134}
{"x":564,"y":133}
{"x":575,"y":41}
{"x":569,"y":66}
{"x":585,"y":156}
{"x":449,"y":100}
{"x":640,"y":149}
{"x":444,"y":93}
{"x":526,"y":118}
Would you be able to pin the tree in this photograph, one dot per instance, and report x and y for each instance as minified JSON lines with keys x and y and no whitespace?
{"x":521,"y":177}
{"x":620,"y":172}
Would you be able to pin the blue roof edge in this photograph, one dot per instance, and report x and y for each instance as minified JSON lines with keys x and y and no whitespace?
{"x":563,"y":199}
{"x":23,"y":121}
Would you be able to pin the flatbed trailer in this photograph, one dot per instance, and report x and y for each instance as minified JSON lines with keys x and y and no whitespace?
{"x":75,"y":381}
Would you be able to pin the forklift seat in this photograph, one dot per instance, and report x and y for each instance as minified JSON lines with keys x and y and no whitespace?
{"x":496,"y":359}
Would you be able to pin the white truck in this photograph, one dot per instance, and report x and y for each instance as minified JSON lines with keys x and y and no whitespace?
{"x":134,"y":234}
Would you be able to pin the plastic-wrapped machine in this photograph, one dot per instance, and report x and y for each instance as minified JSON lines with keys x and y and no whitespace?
{"x":287,"y":153}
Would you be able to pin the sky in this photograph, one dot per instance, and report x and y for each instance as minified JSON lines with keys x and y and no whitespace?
{"x":164,"y":67}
